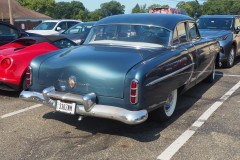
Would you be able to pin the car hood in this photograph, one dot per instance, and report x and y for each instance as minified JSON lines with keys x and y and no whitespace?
{"x":211,"y":33}
{"x":95,"y":68}
{"x":43,"y":32}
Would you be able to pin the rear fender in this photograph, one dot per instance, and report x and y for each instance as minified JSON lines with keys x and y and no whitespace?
{"x":157,"y":77}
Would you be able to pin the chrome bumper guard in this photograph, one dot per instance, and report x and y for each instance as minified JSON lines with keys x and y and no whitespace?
{"x":86,"y":105}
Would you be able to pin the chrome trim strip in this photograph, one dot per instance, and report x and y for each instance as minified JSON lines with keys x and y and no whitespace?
{"x":169,"y":75}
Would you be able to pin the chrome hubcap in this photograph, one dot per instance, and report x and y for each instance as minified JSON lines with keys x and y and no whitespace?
{"x":231,"y":57}
{"x":170,"y":104}
{"x":213,"y":72}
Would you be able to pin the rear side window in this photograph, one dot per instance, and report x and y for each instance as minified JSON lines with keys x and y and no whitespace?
{"x":63,"y":25}
{"x":193,"y":31}
{"x":180,"y":34}
{"x":70,"y":24}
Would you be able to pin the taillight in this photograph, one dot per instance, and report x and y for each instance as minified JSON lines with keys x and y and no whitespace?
{"x":5,"y":63}
{"x":29,"y":76}
{"x":134,"y":92}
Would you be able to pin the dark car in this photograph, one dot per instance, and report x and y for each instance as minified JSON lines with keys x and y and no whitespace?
{"x":78,"y":32}
{"x":129,"y":65}
{"x":9,"y":33}
{"x":224,"y":28}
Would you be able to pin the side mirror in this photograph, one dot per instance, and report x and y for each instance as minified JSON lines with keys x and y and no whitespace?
{"x":58,"y":29}
{"x":238,"y":29}
{"x":83,"y":40}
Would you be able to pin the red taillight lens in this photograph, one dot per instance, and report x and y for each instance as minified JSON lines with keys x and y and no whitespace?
{"x":134,"y":92}
{"x":29,"y":76}
{"x":5,"y":63}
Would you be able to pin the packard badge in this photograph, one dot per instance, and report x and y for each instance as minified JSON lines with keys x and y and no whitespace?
{"x":72,"y":81}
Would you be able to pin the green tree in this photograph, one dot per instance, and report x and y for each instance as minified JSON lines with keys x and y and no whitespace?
{"x":112,"y":8}
{"x":193,"y":8}
{"x":136,"y":9}
{"x":106,"y":9}
{"x":70,"y":10}
{"x":83,"y":15}
{"x":221,"y":7}
{"x":165,"y":6}
{"x":185,"y":6}
{"x":95,"y":15}
{"x":41,"y":6}
{"x":235,"y":9}
{"x":140,"y":9}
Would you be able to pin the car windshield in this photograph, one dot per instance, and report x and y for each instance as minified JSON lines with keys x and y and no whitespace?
{"x":45,"y":26}
{"x":215,"y":23}
{"x":79,"y":28}
{"x":64,"y":43}
{"x":129,"y":34}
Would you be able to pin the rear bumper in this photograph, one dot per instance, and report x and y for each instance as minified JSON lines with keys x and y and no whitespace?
{"x":85,"y":105}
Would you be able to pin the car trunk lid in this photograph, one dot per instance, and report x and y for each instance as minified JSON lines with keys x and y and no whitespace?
{"x":96,"y":68}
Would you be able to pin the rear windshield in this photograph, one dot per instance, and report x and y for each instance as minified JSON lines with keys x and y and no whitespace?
{"x":215,"y":23}
{"x":119,"y":34}
{"x":79,"y":29}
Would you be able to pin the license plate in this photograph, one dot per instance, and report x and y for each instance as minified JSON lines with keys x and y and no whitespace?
{"x":68,"y":108}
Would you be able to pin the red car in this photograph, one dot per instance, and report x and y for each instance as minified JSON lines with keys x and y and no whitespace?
{"x":16,"y":56}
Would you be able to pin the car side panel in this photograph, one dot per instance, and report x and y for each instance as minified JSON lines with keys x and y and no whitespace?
{"x":176,"y":69}
{"x":205,"y":55}
{"x":151,"y":92}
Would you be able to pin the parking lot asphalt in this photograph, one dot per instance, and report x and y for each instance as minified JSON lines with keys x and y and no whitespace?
{"x":31,"y":131}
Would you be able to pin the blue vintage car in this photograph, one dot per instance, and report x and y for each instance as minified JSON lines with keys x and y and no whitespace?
{"x":129,"y":65}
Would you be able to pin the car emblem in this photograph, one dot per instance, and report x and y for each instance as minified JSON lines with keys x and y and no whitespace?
{"x":72,"y":81}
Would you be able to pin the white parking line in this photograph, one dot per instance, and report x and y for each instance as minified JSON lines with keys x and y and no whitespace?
{"x":20,"y":111}
{"x":227,"y":75}
{"x":182,"y":139}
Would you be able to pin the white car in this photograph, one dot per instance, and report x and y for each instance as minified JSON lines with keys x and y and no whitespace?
{"x":53,"y":27}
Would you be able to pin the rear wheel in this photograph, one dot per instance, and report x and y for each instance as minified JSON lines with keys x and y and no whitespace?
{"x":24,"y":83}
{"x":230,"y":58}
{"x":211,"y":77}
{"x":168,"y":109}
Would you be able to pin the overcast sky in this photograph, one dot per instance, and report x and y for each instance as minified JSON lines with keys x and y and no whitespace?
{"x":91,"y":5}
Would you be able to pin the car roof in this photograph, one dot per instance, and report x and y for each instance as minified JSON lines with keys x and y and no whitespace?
{"x":62,"y":20}
{"x":91,"y":22}
{"x":168,"y":21}
{"x":85,"y":23}
{"x":219,"y":16}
